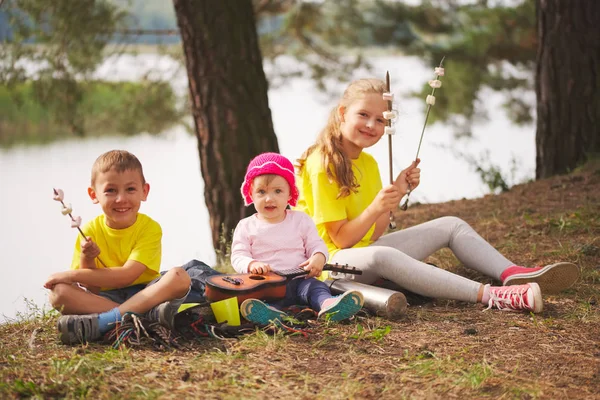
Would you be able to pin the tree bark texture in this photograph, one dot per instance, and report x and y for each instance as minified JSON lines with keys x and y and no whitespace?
{"x":567,"y":82}
{"x":228,"y":91}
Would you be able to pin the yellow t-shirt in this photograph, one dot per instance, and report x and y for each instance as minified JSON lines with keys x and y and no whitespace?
{"x":318,"y":196}
{"x":140,"y":242}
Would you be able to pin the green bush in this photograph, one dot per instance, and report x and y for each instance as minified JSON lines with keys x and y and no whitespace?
{"x":29,"y":115}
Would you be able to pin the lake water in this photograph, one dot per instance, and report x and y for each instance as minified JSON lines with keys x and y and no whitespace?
{"x":36,"y":239}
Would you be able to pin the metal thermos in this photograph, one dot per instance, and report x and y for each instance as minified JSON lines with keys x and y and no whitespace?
{"x":382,"y":302}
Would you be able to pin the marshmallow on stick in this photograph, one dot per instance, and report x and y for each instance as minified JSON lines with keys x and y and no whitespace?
{"x":59,"y":195}
{"x":389,"y":115}
{"x":435,"y":83}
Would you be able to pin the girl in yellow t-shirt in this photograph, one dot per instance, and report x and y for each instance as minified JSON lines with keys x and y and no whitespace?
{"x":341,"y":189}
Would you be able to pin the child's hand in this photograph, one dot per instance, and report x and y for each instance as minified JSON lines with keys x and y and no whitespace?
{"x":314,"y":265}
{"x":259,"y":268}
{"x":89,"y":249}
{"x":387,"y":199}
{"x":409,"y":176}
{"x":59,"y":277}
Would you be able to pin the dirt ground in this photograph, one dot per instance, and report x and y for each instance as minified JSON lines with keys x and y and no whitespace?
{"x":439,"y":350}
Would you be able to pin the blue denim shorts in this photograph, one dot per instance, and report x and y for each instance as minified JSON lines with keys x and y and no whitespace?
{"x":121,"y":295}
{"x":197,"y":270}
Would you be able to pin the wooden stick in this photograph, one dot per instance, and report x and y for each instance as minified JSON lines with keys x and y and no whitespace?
{"x":390,"y":157}
{"x":78,"y":228}
{"x":404,"y":206}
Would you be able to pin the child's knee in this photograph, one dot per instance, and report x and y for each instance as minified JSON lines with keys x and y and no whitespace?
{"x":453,"y":221}
{"x":58,"y":295}
{"x":385,"y":256}
{"x":180,"y":277}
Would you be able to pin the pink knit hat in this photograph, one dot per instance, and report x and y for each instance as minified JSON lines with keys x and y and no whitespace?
{"x":270,"y":163}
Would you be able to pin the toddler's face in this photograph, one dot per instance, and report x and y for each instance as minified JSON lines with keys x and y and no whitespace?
{"x":363,"y":123}
{"x":270,"y":195}
{"x":120,"y":195}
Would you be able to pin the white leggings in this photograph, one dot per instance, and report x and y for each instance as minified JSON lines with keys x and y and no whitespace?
{"x":396,"y":257}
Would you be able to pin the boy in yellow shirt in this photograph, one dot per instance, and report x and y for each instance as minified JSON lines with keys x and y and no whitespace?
{"x":93,"y":295}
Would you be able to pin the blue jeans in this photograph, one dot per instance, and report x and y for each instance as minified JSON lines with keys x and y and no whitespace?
{"x":311,"y":292}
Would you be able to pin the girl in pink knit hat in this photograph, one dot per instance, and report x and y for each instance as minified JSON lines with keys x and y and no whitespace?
{"x":277,"y":238}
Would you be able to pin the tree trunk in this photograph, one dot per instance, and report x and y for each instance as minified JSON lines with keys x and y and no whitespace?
{"x":567,"y":79}
{"x":228,"y":92}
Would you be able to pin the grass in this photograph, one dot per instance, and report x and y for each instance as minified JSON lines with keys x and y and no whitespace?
{"x":441,"y":349}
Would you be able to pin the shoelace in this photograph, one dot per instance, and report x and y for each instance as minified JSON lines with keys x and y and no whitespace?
{"x":129,"y":330}
{"x":508,"y":299}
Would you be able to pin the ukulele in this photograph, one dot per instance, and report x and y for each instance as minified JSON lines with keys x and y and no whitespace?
{"x":271,"y":286}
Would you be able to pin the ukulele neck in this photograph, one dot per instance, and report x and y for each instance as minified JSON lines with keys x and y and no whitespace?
{"x":294,"y":272}
{"x":291,"y":272}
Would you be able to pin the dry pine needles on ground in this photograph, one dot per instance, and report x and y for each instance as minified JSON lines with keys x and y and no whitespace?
{"x":440,"y":349}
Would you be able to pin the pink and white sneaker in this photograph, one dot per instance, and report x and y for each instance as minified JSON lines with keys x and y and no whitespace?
{"x":552,"y":278}
{"x":526,"y":297}
{"x":342,"y":307}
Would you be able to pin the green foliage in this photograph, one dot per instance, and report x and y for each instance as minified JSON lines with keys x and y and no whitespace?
{"x":486,"y":44}
{"x":150,"y":14}
{"x":35,"y":312}
{"x":223,"y":252}
{"x":70,"y":38}
{"x":376,"y":334}
{"x":582,"y":220}
{"x":317,"y":35}
{"x":490,"y":173}
{"x":476,"y":374}
{"x":455,"y":100}
{"x":492,"y":177}
{"x":27,"y":389}
{"x":110,"y":108}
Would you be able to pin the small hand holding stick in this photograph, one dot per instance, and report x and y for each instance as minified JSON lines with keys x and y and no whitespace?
{"x":389,"y":115}
{"x":59,"y":195}
{"x":430,"y":100}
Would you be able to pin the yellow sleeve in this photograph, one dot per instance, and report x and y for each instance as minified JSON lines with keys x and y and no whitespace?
{"x":327,"y":207}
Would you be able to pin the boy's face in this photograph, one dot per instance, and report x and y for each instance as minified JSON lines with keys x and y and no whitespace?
{"x":270,"y":196}
{"x":120,"y":195}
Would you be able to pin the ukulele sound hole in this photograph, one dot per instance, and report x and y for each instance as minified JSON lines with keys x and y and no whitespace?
{"x":257,"y":277}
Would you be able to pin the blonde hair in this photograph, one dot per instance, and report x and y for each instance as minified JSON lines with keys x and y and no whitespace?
{"x":120,"y":160}
{"x":329,"y":142}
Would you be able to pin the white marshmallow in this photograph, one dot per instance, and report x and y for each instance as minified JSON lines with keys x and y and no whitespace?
{"x":436,"y":84}
{"x":67,"y":210}
{"x":59,"y":196}
{"x":389,"y":114}
{"x":389,"y":130}
{"x":388,"y":96}
{"x":439,"y":71}
{"x":430,"y":100}
{"x":76,"y":222}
